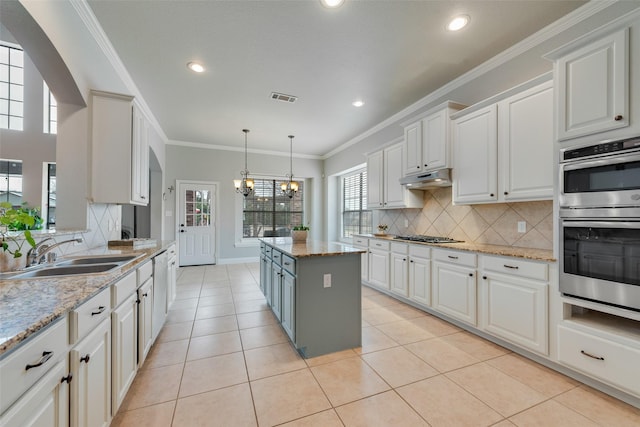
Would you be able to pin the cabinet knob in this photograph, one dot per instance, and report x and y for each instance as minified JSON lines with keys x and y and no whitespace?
{"x":417,"y":167}
{"x":491,"y":195}
{"x":470,"y":274}
{"x":85,"y":358}
{"x":484,"y":277}
{"x":411,"y":261}
{"x":426,"y":166}
{"x":506,"y":193}
{"x":404,"y":259}
{"x":66,"y":379}
{"x":617,"y":118}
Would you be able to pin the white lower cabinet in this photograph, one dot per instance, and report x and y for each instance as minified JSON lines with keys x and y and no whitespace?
{"x":172,"y":275}
{"x":420,"y":274}
{"x":145,"y":317}
{"x":597,"y":355}
{"x":124,"y":349}
{"x":399,"y":282}
{"x":379,"y":262}
{"x":45,"y":404}
{"x":454,"y":285}
{"x":91,"y":386}
{"x":515,"y":296}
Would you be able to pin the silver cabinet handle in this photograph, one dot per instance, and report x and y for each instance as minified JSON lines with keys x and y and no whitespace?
{"x":46,"y":355}
{"x":591,"y":355}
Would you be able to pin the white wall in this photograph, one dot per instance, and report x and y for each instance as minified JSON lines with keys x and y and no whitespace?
{"x":198,"y":164}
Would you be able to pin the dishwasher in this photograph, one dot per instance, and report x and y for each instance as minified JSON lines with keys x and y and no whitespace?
{"x":160,"y":263}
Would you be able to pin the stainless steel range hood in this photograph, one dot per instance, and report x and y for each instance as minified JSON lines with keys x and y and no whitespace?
{"x":439,"y":178}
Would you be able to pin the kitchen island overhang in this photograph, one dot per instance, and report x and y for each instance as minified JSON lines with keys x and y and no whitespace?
{"x":314,"y":289}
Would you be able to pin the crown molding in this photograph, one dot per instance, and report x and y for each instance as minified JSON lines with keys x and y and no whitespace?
{"x":551,"y":30}
{"x":240,"y":149}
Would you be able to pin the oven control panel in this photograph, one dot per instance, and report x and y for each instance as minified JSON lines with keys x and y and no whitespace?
{"x":601,"y":149}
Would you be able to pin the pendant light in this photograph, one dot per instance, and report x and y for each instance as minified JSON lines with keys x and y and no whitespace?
{"x":290,"y":188}
{"x":244,"y":186}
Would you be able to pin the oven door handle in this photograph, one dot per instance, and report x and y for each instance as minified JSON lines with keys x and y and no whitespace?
{"x":599,"y":160}
{"x":601,"y":224}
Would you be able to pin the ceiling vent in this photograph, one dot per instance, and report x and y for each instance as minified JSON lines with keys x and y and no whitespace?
{"x":283,"y":97}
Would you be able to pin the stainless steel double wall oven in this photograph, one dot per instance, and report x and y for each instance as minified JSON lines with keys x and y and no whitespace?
{"x":600,"y":223}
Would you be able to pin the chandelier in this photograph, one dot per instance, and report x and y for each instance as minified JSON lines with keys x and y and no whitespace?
{"x":290,"y":188}
{"x":244,"y":186}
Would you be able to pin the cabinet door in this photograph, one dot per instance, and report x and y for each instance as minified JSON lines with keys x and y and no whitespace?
{"x":45,"y":404}
{"x":399,"y":271}
{"x":264,"y":270}
{"x":394,"y":192}
{"x":525,"y":137}
{"x":475,"y":164}
{"x":91,"y":386}
{"x":289,"y":305}
{"x":124,"y":349}
{"x":435,"y":141}
{"x":379,"y":268}
{"x":276,"y":289}
{"x":516,"y":309}
{"x":145,"y":318}
{"x":593,"y":87}
{"x":139,"y":158}
{"x":375,"y":180}
{"x":412,"y":154}
{"x":420,"y":280}
{"x":454,"y":291}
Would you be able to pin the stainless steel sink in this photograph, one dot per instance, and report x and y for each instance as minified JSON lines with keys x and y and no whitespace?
{"x":70,"y":270}
{"x":97,"y":259}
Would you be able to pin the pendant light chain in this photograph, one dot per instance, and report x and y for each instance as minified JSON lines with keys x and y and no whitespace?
{"x":290,"y":188}
{"x":245,"y":185}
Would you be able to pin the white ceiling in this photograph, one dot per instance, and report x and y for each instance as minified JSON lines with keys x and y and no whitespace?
{"x":389,"y":53}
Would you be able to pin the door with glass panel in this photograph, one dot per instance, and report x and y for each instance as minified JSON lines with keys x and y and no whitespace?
{"x":196,"y":223}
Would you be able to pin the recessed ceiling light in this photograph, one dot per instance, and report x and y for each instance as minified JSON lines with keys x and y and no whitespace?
{"x":332,"y":3}
{"x":357,"y":103}
{"x":195,"y":67}
{"x":458,"y":23}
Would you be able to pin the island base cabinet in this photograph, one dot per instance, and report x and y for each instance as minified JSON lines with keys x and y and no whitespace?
{"x":91,"y":385}
{"x":289,"y":305}
{"x":276,"y":288}
{"x":454,"y":291}
{"x":46,"y":404}
{"x":516,"y":310}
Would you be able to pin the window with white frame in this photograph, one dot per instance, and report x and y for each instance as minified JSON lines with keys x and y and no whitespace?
{"x":11,"y":181}
{"x":50,"y":111}
{"x":266,"y":212}
{"x":11,"y":86}
{"x":356,"y":218}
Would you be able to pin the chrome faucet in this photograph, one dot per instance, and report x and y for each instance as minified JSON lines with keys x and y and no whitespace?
{"x":36,"y":255}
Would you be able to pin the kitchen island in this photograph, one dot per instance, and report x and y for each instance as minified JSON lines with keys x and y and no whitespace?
{"x":314,"y":289}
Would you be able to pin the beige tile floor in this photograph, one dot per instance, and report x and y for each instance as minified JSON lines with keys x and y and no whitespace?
{"x":222,"y":360}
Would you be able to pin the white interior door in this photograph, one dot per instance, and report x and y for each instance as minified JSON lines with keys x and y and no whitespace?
{"x":196,"y":223}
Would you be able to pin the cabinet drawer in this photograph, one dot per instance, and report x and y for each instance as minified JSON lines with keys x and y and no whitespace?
{"x":171,"y":251}
{"x":454,"y":257}
{"x":420,"y":251}
{"x":517,"y":267}
{"x":86,"y":317}
{"x":607,"y":360}
{"x":289,"y":264}
{"x":361,"y":241}
{"x":400,"y":248}
{"x":27,"y":364}
{"x":123,"y":288}
{"x":144,"y":272}
{"x":379,"y":244}
{"x":276,"y":257}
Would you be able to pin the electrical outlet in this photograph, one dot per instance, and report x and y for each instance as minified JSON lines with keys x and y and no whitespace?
{"x":522,"y":226}
{"x":326,"y":280}
{"x":406,"y":223}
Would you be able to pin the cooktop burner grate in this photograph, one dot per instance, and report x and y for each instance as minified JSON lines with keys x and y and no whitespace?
{"x":428,"y":239}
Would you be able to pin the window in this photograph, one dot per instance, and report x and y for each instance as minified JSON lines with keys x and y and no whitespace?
{"x":356,"y":219}
{"x":11,"y":86}
{"x":51,"y":196}
{"x":11,"y":181}
{"x":267,"y":213}
{"x":50,"y":111}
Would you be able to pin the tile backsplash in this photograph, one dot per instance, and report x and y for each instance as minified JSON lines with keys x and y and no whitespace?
{"x":495,"y":223}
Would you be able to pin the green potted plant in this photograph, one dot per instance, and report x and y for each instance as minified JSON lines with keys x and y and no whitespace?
{"x":299,"y":233}
{"x":15,"y":226}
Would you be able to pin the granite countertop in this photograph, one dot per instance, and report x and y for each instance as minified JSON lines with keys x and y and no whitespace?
{"x":310,"y":248}
{"x":29,"y":305}
{"x":512,"y":251}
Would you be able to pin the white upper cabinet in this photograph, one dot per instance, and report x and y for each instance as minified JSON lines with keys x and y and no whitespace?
{"x":475,"y":157}
{"x":525,"y":144}
{"x":593,"y":85}
{"x":120,"y":150}
{"x":503,"y":148}
{"x":384,"y":170}
{"x":427,"y":141}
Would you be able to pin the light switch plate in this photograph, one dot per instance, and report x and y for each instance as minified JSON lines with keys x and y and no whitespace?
{"x":522,"y":226}
{"x":326,"y":280}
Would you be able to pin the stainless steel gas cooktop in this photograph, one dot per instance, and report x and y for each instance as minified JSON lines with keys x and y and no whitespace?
{"x":427,"y":239}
